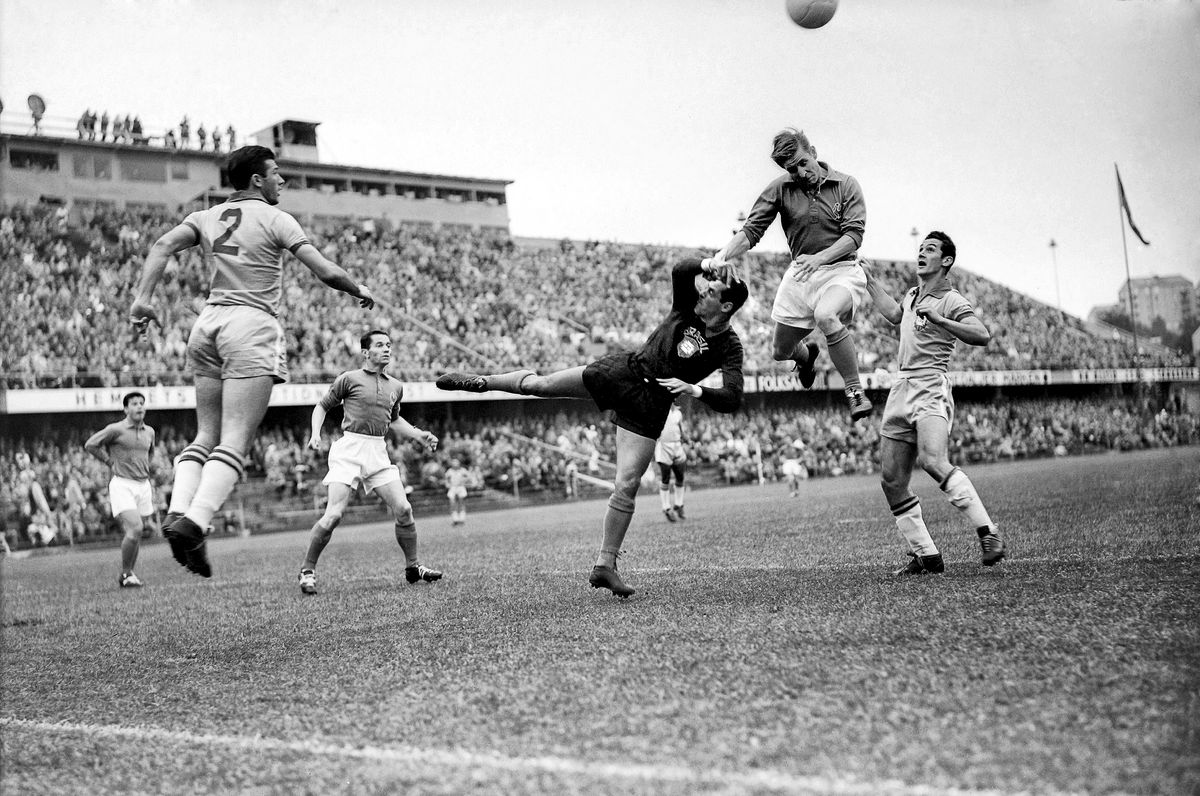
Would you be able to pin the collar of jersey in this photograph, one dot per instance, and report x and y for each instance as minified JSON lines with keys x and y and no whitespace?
{"x":242,"y":196}
{"x":937,"y":293}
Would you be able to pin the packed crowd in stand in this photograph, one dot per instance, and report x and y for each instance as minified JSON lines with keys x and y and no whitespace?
{"x":508,"y":455}
{"x":69,"y":275}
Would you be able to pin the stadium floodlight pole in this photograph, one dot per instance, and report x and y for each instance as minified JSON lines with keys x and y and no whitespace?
{"x":1054,"y":260}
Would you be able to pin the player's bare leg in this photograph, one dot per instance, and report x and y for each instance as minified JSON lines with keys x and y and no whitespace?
{"x":833,"y":312}
{"x":897,"y":459}
{"x":394,"y":496}
{"x":933,"y":434}
{"x":243,"y":404}
{"x":634,"y":453}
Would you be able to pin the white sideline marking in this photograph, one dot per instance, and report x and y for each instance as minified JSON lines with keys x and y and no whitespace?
{"x":760,"y":778}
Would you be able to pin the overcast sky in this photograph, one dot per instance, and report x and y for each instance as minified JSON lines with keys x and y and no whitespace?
{"x":998,"y":121}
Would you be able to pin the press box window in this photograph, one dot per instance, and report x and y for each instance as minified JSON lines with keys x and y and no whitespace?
{"x":33,"y":160}
{"x":149,"y":169}
{"x":88,"y":166}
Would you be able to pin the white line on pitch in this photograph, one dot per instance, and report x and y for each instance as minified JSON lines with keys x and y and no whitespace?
{"x":758,"y":778}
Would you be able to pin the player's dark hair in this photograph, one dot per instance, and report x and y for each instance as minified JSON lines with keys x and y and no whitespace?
{"x":130,"y":396}
{"x":365,"y":340}
{"x":787,"y":143}
{"x":244,"y":162}
{"x":736,"y":294}
{"x":948,"y":247}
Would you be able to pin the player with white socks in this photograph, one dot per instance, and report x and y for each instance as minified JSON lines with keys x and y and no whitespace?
{"x":932,"y":317}
{"x":236,"y":350}
{"x":671,"y":459}
{"x":456,"y":479}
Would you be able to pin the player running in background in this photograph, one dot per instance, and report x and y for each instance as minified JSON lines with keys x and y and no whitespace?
{"x":125,"y":447}
{"x":932,"y":317}
{"x":823,"y":216}
{"x":693,"y":340}
{"x":371,"y":407}
{"x":456,"y":490}
{"x":236,"y":350}
{"x":671,"y":458}
{"x":793,"y":467}
{"x":30,"y":495}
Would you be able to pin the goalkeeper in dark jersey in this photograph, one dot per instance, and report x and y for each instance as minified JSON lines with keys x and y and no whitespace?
{"x":694,"y":340}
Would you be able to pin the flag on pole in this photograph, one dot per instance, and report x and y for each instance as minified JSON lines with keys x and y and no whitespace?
{"x":1125,"y":207}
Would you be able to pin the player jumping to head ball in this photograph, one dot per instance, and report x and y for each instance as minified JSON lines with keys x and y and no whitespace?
{"x":823,"y":216}
{"x":237,"y":349}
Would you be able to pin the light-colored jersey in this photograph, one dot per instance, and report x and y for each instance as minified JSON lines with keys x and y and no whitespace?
{"x":926,"y":347}
{"x":457,"y":477}
{"x":128,"y":447}
{"x":244,"y":239}
{"x":672,"y":433}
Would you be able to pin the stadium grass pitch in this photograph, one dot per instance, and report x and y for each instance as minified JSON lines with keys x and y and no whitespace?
{"x":768,"y":650}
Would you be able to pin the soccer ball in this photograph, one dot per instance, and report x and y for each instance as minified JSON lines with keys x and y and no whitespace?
{"x":811,"y":13}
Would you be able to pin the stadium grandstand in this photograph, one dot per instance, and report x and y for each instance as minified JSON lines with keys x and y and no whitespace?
{"x":458,"y":291}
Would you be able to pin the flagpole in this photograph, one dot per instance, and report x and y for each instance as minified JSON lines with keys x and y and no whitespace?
{"x":1137,"y":360}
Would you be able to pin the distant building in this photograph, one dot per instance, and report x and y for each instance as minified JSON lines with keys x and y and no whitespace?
{"x":152,"y":176}
{"x":1172,"y":298}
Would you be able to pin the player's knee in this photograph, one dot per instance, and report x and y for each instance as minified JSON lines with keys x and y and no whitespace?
{"x":404,"y":515}
{"x":627,"y":485}
{"x":781,"y":351}
{"x":535,"y":385}
{"x":621,"y":502}
{"x":937,"y":465}
{"x":831,"y":325}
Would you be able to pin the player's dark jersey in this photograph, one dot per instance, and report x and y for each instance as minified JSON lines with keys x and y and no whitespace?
{"x":682,"y":348}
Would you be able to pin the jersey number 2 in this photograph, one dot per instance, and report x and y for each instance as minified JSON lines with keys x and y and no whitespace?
{"x":219,"y":245}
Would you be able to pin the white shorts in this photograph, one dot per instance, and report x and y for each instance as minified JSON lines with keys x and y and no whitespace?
{"x":795,"y":302}
{"x":360,"y":458}
{"x":130,"y":494}
{"x":669,"y":453}
{"x":456,"y":492}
